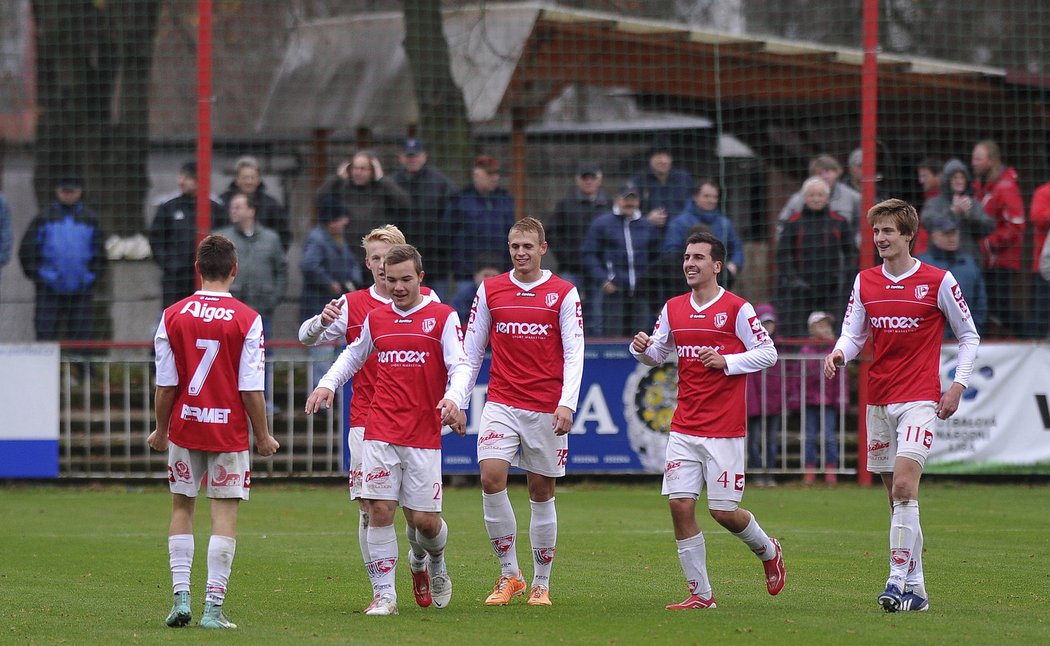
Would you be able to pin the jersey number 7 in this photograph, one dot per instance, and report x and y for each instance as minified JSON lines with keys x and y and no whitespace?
{"x":211,"y":349}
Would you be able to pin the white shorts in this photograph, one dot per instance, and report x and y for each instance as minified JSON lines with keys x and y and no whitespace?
{"x":406,"y":474}
{"x":694,"y":461}
{"x":224,"y":475}
{"x":904,"y":430}
{"x":355,"y":439}
{"x":524,"y":438}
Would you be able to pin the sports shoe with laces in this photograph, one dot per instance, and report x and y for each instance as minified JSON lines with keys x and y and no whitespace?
{"x":180,"y":614}
{"x":382,"y":605}
{"x":912,"y":601}
{"x":540,"y":596}
{"x":441,"y":587}
{"x":890,"y":599}
{"x":420,"y":580}
{"x":776,"y":573}
{"x":214,"y":617}
{"x":694,"y":603}
{"x":506,"y":588}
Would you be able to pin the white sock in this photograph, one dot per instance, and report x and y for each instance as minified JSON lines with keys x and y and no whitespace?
{"x":904,"y":529}
{"x":543,"y":534}
{"x":220,"y":562}
{"x":413,"y":535}
{"x":362,"y":534}
{"x":755,"y":538}
{"x":502,"y":527}
{"x":916,"y":579}
{"x":382,"y":547}
{"x":692,"y":554}
{"x":180,"y":557}
{"x":435,"y":547}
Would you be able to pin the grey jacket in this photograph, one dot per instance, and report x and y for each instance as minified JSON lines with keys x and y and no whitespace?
{"x":1044,"y":260}
{"x":262,"y":270}
{"x":843,"y":200}
{"x":973,"y":225}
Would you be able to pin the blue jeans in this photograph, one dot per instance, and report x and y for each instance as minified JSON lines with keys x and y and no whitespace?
{"x":755,"y":436}
{"x":813,"y":432}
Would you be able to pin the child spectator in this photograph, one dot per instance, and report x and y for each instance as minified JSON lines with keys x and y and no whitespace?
{"x":764,"y":407}
{"x":823,"y":399}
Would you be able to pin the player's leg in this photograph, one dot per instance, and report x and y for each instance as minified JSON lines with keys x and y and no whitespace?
{"x":682,"y":483}
{"x":498,"y":444}
{"x":381,"y":488}
{"x":543,"y":456}
{"x":355,"y":439}
{"x":228,"y":484}
{"x":185,"y":470}
{"x":420,"y":498}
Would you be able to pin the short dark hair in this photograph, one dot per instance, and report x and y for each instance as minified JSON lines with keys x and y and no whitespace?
{"x":216,"y":257}
{"x":931,"y":164}
{"x":248,"y":198}
{"x":706,"y":181}
{"x":487,"y":163}
{"x":399,"y":253}
{"x":718,"y":249}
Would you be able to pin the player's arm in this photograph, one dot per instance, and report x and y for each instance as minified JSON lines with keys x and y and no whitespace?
{"x":164,"y":402}
{"x":760,"y":353}
{"x":457,"y":393}
{"x":167,"y":381}
{"x":255,"y":405}
{"x":346,"y":365}
{"x":329,"y":325}
{"x":854,"y":335}
{"x":570,"y":324}
{"x":652,"y":349}
{"x":251,"y":381}
{"x":476,"y":337}
{"x":950,"y":301}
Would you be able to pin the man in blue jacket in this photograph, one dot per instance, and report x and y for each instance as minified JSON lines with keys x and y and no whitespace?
{"x":703,"y":211}
{"x":6,"y":235}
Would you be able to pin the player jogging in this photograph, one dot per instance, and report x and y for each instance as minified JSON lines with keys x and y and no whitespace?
{"x":903,"y":306}
{"x":418,"y":347}
{"x":341,"y":320}
{"x":209,"y":355}
{"x":533,"y":322}
{"x":718,"y":340}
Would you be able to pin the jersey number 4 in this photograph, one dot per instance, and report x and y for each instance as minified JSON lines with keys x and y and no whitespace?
{"x":211,"y":349}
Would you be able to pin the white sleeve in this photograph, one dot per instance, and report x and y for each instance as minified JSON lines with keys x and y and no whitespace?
{"x":950,"y":301}
{"x":570,"y":320}
{"x":476,"y":339}
{"x":459,"y":373}
{"x":167,"y":373}
{"x":251,"y":375}
{"x":662,"y":342}
{"x":311,"y":332}
{"x":349,"y":360}
{"x":855,"y":328}
{"x":760,"y":353}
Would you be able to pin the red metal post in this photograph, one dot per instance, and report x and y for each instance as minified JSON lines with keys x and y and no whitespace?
{"x":204,"y":103}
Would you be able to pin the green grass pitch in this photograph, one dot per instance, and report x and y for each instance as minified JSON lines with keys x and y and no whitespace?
{"x":89,"y":565}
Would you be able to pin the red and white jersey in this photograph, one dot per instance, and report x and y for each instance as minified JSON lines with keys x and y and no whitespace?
{"x":711,"y":403}
{"x":417,"y":352}
{"x":209,"y":346}
{"x":905,"y":316}
{"x":536,"y":333}
{"x":355,"y":306}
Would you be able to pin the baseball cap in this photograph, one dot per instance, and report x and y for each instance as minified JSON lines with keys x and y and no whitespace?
{"x":588,"y":168}
{"x":329,"y":208}
{"x":819,"y":315}
{"x":70,"y":182}
{"x":628,"y":189}
{"x":766,"y":312}
{"x":413,"y":147}
{"x":945,"y":224}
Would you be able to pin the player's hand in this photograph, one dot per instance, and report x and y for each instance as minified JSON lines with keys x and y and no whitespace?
{"x":157,"y":442}
{"x":320,"y":399}
{"x":950,"y":401}
{"x":460,"y":425}
{"x":562,"y":421}
{"x":449,"y":412}
{"x":641,"y":342}
{"x":266,"y":446}
{"x":832,"y":363}
{"x":332,"y":310}
{"x":710,"y":358}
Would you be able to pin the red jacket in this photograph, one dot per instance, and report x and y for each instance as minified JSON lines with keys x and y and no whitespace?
{"x":1002,"y":202}
{"x":1040,"y":213}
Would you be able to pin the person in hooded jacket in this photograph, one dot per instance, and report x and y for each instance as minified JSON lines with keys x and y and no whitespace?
{"x":956,"y":202}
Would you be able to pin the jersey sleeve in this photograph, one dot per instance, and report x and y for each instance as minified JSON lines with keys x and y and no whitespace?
{"x":854,"y":325}
{"x":760,"y":353}
{"x":251,"y":375}
{"x":349,"y":360}
{"x":476,"y":339}
{"x":570,"y":320}
{"x":459,"y":370}
{"x":167,"y":374}
{"x":950,"y":301}
{"x":662,"y":342}
{"x":311,"y":332}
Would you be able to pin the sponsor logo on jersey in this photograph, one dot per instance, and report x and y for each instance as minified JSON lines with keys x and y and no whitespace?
{"x":490,"y":437}
{"x":520,"y":328}
{"x":402,"y":321}
{"x":205,"y":415}
{"x":895,"y":322}
{"x":671,"y":469}
{"x":693,"y":351}
{"x":900,"y":556}
{"x":502,"y":544}
{"x":960,"y":301}
{"x":379,"y":567}
{"x":222,"y":478}
{"x":207,"y":313}
{"x":579,"y":314}
{"x":247,"y":479}
{"x":525,"y":295}
{"x":543,"y":555}
{"x":894,"y":287}
{"x":402,"y":356}
{"x":551,"y":299}
{"x":378,"y":478}
{"x":921,"y":291}
{"x":720,"y":319}
{"x":356,"y":476}
{"x":876,"y":445}
{"x":429,"y":325}
{"x":758,"y":330}
{"x":738,"y":482}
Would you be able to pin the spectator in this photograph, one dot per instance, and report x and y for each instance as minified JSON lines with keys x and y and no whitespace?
{"x":7,"y":239}
{"x":929,"y":170}
{"x":823,"y":402}
{"x":855,"y":180}
{"x":247,"y":179}
{"x":946,"y":252}
{"x":371,"y":198}
{"x":572,"y":216}
{"x":617,"y":251}
{"x":478,"y":218}
{"x":173,"y":237}
{"x":664,"y":190}
{"x":995,"y":186}
{"x":843,"y":200}
{"x":764,"y":407}
{"x":815,"y":253}
{"x":956,"y":202}
{"x":1044,"y":260}
{"x":1040,"y":314}
{"x":428,"y":191}
{"x":704,"y":210}
{"x":62,"y":252}
{"x":489,"y":265}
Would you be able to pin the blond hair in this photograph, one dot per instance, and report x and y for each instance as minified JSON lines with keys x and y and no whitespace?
{"x":387,"y":233}
{"x":529,"y":225}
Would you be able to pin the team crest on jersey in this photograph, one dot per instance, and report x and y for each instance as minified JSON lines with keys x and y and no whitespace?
{"x":182,"y":471}
{"x":921,"y":291}
{"x":429,"y":325}
{"x":551,"y":299}
{"x":720,"y":319}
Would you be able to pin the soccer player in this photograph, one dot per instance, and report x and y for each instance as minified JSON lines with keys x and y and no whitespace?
{"x":718,"y":339}
{"x":342,"y":318}
{"x":533,"y":321}
{"x":418,"y":346}
{"x":209,"y":349}
{"x":903,"y":306}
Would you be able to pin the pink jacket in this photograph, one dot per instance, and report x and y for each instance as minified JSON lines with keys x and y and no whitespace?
{"x":814,"y":377}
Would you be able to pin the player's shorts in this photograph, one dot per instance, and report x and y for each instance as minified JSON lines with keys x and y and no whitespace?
{"x":406,"y":474}
{"x":224,"y":475}
{"x":524,"y":438}
{"x":355,"y":439}
{"x":694,"y":461}
{"x":904,"y":430}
